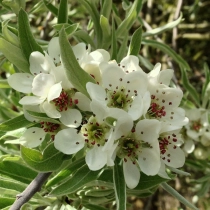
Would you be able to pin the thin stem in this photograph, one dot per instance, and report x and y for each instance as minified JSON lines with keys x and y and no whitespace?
{"x":30,"y":190}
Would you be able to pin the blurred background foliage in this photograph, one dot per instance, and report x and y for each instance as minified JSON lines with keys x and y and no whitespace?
{"x":191,"y":40}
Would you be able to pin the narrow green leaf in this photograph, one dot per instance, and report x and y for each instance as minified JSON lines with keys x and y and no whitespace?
{"x":82,"y":176}
{"x":207,"y":77}
{"x":14,"y":55}
{"x":114,"y":42}
{"x":204,"y":178}
{"x":15,"y":133}
{"x":145,"y":62}
{"x":8,"y":35}
{"x":94,"y":207}
{"x":119,"y":185}
{"x":135,"y":44}
{"x":105,"y":26}
{"x":11,"y":184}
{"x":42,"y":117}
{"x":192,"y":91}
{"x":127,"y":23}
{"x":63,"y":12}
{"x":93,"y":11}
{"x":69,"y":29}
{"x":5,"y":201}
{"x":13,"y":167}
{"x":166,"y":49}
{"x":15,"y":123}
{"x":123,"y":48}
{"x":76,"y":75}
{"x":50,"y":160}
{"x":62,"y":175}
{"x":83,"y":36}
{"x":161,"y":29}
{"x":148,"y":182}
{"x":27,"y":41}
{"x":98,"y":192}
{"x":174,"y":193}
{"x":106,"y":8}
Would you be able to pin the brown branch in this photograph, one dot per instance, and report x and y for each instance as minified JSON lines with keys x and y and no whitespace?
{"x":30,"y":190}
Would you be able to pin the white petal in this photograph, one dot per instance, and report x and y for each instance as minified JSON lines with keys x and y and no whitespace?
{"x":34,"y":108}
{"x":136,"y":109}
{"x":94,"y":71}
{"x":100,"y":55}
{"x":96,"y":92}
{"x":71,"y":118}
{"x":143,"y":130}
{"x":69,"y":141}
{"x":79,"y":50}
{"x":146,"y":102}
{"x":174,"y":156}
{"x":136,"y":81}
{"x":189,"y":146}
{"x":99,"y":110}
{"x":51,"y":110}
{"x":131,"y":174}
{"x":96,"y":158}
{"x":54,"y":92}
{"x":149,"y":159}
{"x":193,"y":134}
{"x":38,"y":63}
{"x":165,"y":76}
{"x":130,"y":63}
{"x":54,"y":49}
{"x":42,"y":84}
{"x":111,"y":75}
{"x":30,"y":100}
{"x":21,"y":82}
{"x":83,"y":101}
{"x":162,"y":171}
{"x":33,"y":137}
{"x":123,"y":124}
{"x":156,"y":70}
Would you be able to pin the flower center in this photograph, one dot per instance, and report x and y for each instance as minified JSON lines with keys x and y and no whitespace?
{"x":118,"y":98}
{"x":155,"y":110}
{"x":64,"y":101}
{"x":196,"y":125}
{"x":94,"y":132}
{"x":51,"y":128}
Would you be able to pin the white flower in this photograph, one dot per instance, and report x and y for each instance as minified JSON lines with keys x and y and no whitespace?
{"x":96,"y":135}
{"x":170,"y":151}
{"x":140,"y":151}
{"x":121,"y":90}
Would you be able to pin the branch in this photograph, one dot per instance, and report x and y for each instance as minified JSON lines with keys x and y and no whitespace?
{"x":30,"y":190}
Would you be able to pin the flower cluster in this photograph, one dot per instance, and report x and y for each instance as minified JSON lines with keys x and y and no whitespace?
{"x":128,"y":113}
{"x":197,"y":132}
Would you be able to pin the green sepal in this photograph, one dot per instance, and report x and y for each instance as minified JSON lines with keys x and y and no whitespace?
{"x":135,"y":43}
{"x":13,"y":167}
{"x":50,"y":160}
{"x":15,"y":123}
{"x":76,"y":75}
{"x":119,"y":185}
{"x":82,"y":176}
{"x":63,"y":12}
{"x":27,"y":41}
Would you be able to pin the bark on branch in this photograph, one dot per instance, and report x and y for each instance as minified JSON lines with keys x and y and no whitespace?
{"x":30,"y":190}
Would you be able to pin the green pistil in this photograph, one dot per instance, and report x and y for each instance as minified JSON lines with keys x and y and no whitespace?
{"x":94,"y":132}
{"x":118,"y":99}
